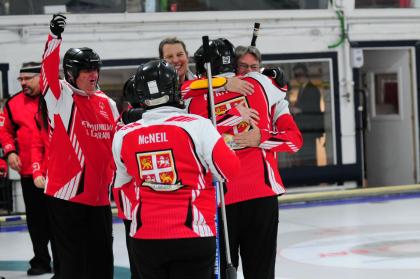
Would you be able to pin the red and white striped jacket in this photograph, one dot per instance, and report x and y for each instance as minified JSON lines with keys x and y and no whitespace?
{"x":259,"y":176}
{"x":170,"y":150}
{"x":80,"y":166}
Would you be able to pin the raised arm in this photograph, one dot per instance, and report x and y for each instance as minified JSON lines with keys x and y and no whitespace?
{"x":49,"y":81}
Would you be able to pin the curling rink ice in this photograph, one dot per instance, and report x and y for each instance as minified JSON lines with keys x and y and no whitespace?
{"x":359,"y":239}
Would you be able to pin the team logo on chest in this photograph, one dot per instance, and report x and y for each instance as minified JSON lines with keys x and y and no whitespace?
{"x":157,"y":166}
{"x":102,"y":110}
{"x":223,"y":107}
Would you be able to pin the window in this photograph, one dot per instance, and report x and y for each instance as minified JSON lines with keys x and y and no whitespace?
{"x":23,"y":7}
{"x":386,"y":94}
{"x":234,"y":5}
{"x":361,"y":4}
{"x":311,"y":103}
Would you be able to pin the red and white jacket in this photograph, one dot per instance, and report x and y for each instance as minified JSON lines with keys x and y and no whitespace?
{"x":170,"y":150}
{"x":80,"y":166}
{"x":259,"y":176}
{"x":39,"y":151}
{"x":19,"y":123}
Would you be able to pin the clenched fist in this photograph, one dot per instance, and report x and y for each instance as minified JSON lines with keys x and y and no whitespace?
{"x":57,"y":24}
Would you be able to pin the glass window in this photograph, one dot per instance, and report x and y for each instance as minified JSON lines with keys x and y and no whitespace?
{"x":386,"y":94}
{"x":22,"y":7}
{"x":234,"y":5}
{"x":362,"y":4}
{"x":311,"y":104}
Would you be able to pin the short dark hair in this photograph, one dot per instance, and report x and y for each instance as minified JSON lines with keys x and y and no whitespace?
{"x":171,"y":41}
{"x":31,"y":67}
{"x":242,"y":50}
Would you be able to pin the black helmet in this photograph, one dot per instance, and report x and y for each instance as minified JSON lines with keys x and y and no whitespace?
{"x":156,"y":84}
{"x":77,"y":59}
{"x":222,"y":57}
{"x":129,"y":92}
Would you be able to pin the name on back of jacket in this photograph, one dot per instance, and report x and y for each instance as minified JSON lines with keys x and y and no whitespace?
{"x":153,"y":138}
{"x":98,"y":130}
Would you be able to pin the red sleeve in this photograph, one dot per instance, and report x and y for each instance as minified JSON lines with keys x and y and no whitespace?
{"x":3,"y":168}
{"x":37,"y":153}
{"x":125,"y":199}
{"x":8,"y":133}
{"x":50,"y":67}
{"x":225,"y":160}
{"x":187,"y":92}
{"x":286,"y":138}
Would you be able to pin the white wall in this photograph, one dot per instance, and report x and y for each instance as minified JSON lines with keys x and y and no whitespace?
{"x":119,"y":36}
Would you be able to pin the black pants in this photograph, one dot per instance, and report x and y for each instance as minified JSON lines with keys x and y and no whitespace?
{"x":83,"y":237}
{"x":37,"y":219}
{"x":186,"y":258}
{"x":252,"y":227}
{"x":6,"y":201}
{"x":133,"y":270}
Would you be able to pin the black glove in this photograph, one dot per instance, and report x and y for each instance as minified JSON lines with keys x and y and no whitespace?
{"x":277,"y":75}
{"x":57,"y":24}
{"x":132,"y":115}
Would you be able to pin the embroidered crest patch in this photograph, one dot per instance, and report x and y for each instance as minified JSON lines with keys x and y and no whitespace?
{"x":158,"y":166}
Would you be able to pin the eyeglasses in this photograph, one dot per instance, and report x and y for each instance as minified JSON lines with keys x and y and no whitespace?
{"x":253,"y":67}
{"x":20,"y":79}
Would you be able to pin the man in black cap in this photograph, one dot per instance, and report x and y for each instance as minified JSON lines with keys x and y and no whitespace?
{"x":16,"y":137}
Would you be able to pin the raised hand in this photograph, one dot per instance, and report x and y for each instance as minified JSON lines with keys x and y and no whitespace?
{"x":57,"y":24}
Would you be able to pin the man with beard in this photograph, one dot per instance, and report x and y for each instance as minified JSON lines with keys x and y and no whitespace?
{"x":16,"y":136}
